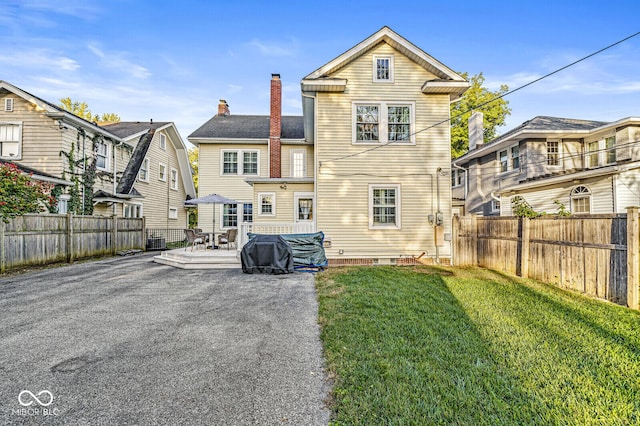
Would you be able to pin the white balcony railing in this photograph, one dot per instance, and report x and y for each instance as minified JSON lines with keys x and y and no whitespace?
{"x":273,"y":228}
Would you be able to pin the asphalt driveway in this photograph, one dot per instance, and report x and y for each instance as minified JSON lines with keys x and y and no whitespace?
{"x":128,"y":341}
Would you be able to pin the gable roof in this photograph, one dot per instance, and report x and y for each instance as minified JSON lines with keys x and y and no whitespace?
{"x":144,"y":131}
{"x":446,"y":81}
{"x":540,"y":126}
{"x":247,"y":127}
{"x":55,"y":112}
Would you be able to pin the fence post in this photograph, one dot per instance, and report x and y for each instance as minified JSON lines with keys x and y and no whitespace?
{"x":475,"y":253}
{"x":455,"y":230}
{"x":114,"y":234}
{"x":633,"y":257}
{"x":70,"y":238}
{"x":143,"y":233}
{"x":522,"y":268}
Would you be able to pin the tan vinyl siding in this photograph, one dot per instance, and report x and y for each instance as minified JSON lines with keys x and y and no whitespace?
{"x":343,"y":185}
{"x":284,"y":201}
{"x":286,"y":158}
{"x":211,"y":181}
{"x":158,"y":195}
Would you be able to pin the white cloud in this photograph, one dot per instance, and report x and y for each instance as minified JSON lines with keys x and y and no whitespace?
{"x":118,"y":62}
{"x":40,"y":59}
{"x":234,"y":88}
{"x":273,"y":48}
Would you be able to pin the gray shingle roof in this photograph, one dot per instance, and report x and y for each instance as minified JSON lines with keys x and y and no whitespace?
{"x":124,"y":129}
{"x":248,"y":127}
{"x":125,"y":186}
{"x":542,"y":123}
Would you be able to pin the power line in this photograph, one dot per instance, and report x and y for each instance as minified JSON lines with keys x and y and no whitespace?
{"x":489,"y":101}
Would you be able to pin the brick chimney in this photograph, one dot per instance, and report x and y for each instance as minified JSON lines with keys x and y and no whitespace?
{"x":275,"y":127}
{"x":223,"y":108}
{"x":476,"y":130}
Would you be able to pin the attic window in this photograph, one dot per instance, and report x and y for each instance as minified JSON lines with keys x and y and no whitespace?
{"x":383,"y":68}
{"x":163,"y":141}
{"x":8,"y":104}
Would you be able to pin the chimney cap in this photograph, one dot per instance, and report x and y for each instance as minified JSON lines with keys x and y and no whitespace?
{"x":275,"y":76}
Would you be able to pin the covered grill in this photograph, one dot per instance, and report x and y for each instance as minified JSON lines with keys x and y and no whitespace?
{"x":268,"y":254}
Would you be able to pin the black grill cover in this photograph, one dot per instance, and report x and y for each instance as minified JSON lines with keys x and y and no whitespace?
{"x":267,"y":254}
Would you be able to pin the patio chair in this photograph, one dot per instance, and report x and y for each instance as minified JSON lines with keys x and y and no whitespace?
{"x":228,"y":237}
{"x":194,"y":240}
{"x":201,"y":234}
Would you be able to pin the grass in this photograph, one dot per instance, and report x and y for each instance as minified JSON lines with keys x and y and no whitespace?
{"x":422,"y":345}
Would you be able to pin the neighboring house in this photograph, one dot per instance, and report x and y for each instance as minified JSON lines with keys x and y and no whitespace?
{"x":34,"y":134}
{"x":157,"y":179}
{"x":365,"y":164}
{"x":588,"y":166}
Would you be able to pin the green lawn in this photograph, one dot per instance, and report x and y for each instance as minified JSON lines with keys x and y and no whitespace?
{"x":414,"y":346}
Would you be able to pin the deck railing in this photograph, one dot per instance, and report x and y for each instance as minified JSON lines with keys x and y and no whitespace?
{"x":273,"y":228}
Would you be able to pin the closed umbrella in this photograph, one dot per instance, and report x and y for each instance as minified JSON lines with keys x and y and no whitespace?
{"x":212,"y":199}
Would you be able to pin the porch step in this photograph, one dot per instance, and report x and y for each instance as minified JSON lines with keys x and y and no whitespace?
{"x":200,"y":259}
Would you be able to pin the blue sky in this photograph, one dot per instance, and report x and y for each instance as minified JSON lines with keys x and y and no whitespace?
{"x":173,"y":60}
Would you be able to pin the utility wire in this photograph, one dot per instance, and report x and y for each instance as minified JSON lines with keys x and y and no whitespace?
{"x":489,"y":101}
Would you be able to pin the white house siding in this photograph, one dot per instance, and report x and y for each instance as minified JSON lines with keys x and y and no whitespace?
{"x":284,"y":201}
{"x":627,"y":185}
{"x":210,"y":180}
{"x":542,"y":199}
{"x":343,"y":185}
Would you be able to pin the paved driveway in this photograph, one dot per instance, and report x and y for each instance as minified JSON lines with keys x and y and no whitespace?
{"x":128,"y":341}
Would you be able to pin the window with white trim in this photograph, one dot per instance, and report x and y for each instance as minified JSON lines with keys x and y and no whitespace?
{"x":143,"y":175}
{"x":102,"y":155}
{"x":173,"y":213}
{"x":553,"y":153}
{"x":384,"y":206}
{"x":162,"y":172}
{"x":174,"y":179}
{"x":8,"y":104}
{"x":593,"y":153}
{"x":383,"y":122}
{"x":247,"y":212}
{"x":503,"y":161}
{"x":240,"y":162}
{"x":457,"y":177}
{"x":229,"y":215}
{"x":580,"y":200}
{"x":495,"y":206}
{"x":298,"y":163}
{"x":163,"y":142}
{"x":515,"y":157}
{"x":383,"y":68}
{"x":610,"y":149}
{"x":132,"y":210}
{"x":62,"y":206}
{"x":267,"y":203}
{"x":303,"y":204}
{"x":10,"y":137}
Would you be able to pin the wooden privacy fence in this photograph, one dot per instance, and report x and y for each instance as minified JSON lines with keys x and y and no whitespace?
{"x":598,"y":255}
{"x":41,"y":239}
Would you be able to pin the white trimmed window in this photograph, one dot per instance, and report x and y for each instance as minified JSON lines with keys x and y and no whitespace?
{"x":240,"y":162}
{"x":610,"y":149}
{"x":383,"y":68}
{"x":515,"y":157}
{"x":580,"y":200}
{"x":247,"y":212}
{"x":267,"y":203}
{"x":250,"y":162}
{"x":163,"y":142}
{"x":457,"y":177}
{"x":8,"y":104}
{"x":63,"y":204}
{"x":503,"y":161}
{"x":229,"y":215}
{"x":10,"y":137}
{"x":132,"y":210}
{"x":102,"y":155}
{"x":553,"y":153}
{"x":303,"y":206}
{"x":143,"y":175}
{"x":162,"y":172}
{"x":298,"y":163}
{"x":495,"y":206}
{"x":509,"y":159}
{"x":173,"y":213}
{"x":384,"y":206}
{"x":174,"y":179}
{"x":383,"y":122}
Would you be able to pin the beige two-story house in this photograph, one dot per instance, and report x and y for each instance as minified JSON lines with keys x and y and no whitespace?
{"x":366,"y":163}
{"x":587,"y":166}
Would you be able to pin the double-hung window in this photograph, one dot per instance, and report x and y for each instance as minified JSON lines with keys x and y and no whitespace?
{"x":515,"y":157}
{"x":553,"y":153}
{"x":503,"y":161}
{"x":383,"y":122}
{"x":593,"y":153}
{"x":241,"y":162}
{"x":162,"y":172}
{"x":174,"y":179}
{"x":102,"y":155}
{"x":229,"y":215}
{"x":163,"y":142}
{"x":457,"y":177}
{"x":384,"y":206}
{"x":10,"y":140}
{"x":143,"y":175}
{"x":383,"y":68}
{"x":610,"y":149}
{"x":247,"y":212}
{"x":267,"y":203}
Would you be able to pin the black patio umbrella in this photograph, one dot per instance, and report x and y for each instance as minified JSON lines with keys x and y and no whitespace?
{"x":212,"y":199}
